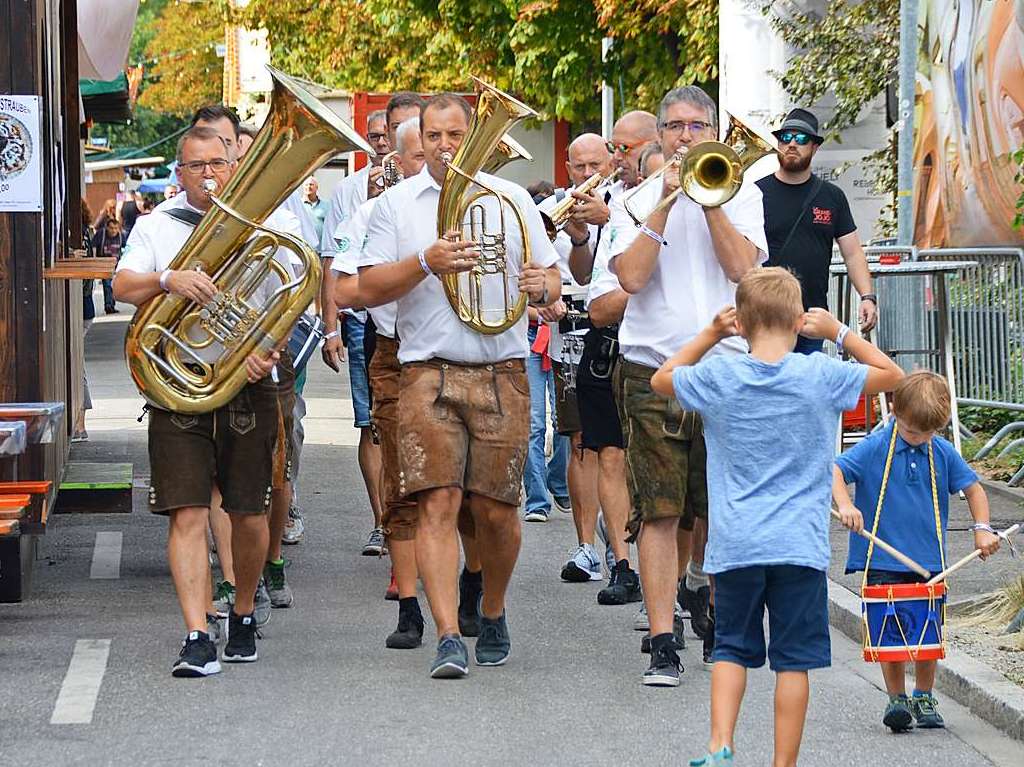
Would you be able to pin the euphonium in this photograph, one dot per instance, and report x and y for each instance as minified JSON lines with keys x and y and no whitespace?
{"x":508,"y":150}
{"x":463,"y":210}
{"x":710,"y":172}
{"x":556,"y":219}
{"x":167,"y":332}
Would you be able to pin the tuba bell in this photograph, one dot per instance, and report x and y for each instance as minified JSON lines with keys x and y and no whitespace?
{"x":710,"y":172}
{"x":460,"y":208}
{"x":166,"y":339}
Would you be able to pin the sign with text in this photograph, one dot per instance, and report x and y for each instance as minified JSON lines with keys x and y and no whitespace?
{"x":21,"y":178}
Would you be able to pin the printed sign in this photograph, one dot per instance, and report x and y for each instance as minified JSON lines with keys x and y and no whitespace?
{"x":21,"y":180}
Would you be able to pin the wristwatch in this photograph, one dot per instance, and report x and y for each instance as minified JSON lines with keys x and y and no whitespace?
{"x":581,"y":242}
{"x":870,"y":297}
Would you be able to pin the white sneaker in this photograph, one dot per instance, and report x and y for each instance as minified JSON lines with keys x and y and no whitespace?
{"x":640,"y":620}
{"x":584,"y":565}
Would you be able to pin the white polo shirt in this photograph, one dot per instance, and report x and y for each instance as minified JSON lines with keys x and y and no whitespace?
{"x":602,"y":278}
{"x":350,"y":237}
{"x":404,"y":222}
{"x":156,"y":239}
{"x":688,"y":286}
{"x":349,"y":195}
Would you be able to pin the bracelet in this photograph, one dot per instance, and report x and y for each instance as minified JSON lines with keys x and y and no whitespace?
{"x":870,"y":297}
{"x":983,"y":526}
{"x":422,"y":256}
{"x":580,"y":243}
{"x":653,"y":234}
{"x":332,"y":334}
{"x":164,"y":275}
{"x":840,"y":337}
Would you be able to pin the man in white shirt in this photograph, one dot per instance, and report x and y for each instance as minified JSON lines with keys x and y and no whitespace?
{"x":232,"y":444}
{"x":463,"y":410}
{"x":680,"y":268}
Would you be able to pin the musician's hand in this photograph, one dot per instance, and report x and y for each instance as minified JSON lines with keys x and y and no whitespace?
{"x":590,"y":210}
{"x":818,"y":323}
{"x":986,"y":542}
{"x":373,"y":188}
{"x":258,"y":366}
{"x":868,"y":315}
{"x":333,"y":353}
{"x":191,"y":284}
{"x":670,"y":179}
{"x":724,"y":323}
{"x":532,"y":281}
{"x":576,"y":230}
{"x":553,"y":312}
{"x":851,"y":518}
{"x":451,"y":255}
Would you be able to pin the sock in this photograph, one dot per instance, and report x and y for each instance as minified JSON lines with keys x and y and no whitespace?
{"x":276,"y":562}
{"x":470,"y":577}
{"x":408,"y":604}
{"x":695,"y":577}
{"x":921,"y":693}
{"x":662,"y":639}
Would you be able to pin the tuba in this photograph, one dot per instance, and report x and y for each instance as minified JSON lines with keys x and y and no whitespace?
{"x":168,"y":332}
{"x":710,"y":173}
{"x":461,"y":209}
{"x":508,"y":150}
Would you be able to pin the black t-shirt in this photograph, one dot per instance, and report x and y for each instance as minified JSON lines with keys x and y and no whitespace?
{"x":809,"y":252}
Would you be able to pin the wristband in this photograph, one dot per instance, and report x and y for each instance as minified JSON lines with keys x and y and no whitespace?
{"x":653,"y":234}
{"x":580,"y":243}
{"x":422,"y":256}
{"x":840,"y":337}
{"x":983,"y":526}
{"x":332,"y":334}
{"x":870,"y":297}
{"x":164,"y":275}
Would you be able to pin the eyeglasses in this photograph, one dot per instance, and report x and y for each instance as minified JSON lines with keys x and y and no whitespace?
{"x":678,"y":126}
{"x":195,"y":168}
{"x":373,"y":138}
{"x":801,"y":139}
{"x":620,"y":147}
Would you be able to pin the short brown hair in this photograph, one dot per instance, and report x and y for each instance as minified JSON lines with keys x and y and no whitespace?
{"x":768,"y":298}
{"x":443,"y":101}
{"x":196,"y":133}
{"x":921,"y":400}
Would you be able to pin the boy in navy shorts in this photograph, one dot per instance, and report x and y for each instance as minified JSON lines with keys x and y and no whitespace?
{"x":770,"y":419}
{"x":921,"y":407}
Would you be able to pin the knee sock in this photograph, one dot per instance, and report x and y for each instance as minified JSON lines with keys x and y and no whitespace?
{"x":471,"y":577}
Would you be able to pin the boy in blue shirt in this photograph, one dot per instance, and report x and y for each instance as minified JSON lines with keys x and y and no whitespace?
{"x":770,"y":419}
{"x":921,"y":407}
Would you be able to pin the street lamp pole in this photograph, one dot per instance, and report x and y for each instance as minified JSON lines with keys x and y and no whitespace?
{"x":905,"y":126}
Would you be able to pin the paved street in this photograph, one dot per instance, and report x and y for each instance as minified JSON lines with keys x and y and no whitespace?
{"x":325,"y":690}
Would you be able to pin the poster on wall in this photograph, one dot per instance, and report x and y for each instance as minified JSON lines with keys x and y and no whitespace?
{"x":21,"y":178}
{"x":969,"y":119}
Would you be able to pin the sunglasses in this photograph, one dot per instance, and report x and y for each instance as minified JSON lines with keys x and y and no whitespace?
{"x":620,"y":147}
{"x":801,"y":139}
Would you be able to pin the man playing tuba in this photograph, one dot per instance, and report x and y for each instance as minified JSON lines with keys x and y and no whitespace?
{"x":463,"y":405}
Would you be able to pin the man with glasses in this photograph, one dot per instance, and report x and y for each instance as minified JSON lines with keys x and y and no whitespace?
{"x":803,"y":216}
{"x":680,"y":268}
{"x":233,"y":445}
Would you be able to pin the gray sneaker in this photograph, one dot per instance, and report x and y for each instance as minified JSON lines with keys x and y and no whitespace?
{"x":375,"y":545}
{"x":294,"y":528}
{"x":262,"y":605}
{"x":640,"y":621}
{"x":452,"y":660}
{"x":277,"y":586}
{"x":493,"y":645}
{"x":602,"y":534}
{"x":215,"y":626}
{"x":584,"y":565}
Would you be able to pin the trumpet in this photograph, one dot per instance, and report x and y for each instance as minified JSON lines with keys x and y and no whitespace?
{"x":392,"y":172}
{"x":556,"y":219}
{"x":710,"y":172}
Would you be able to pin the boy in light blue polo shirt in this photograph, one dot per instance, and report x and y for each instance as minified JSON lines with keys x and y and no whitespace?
{"x":770,"y":419}
{"x":921,"y":407}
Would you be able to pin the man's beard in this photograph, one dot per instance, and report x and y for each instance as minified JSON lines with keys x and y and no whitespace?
{"x":794,"y":163}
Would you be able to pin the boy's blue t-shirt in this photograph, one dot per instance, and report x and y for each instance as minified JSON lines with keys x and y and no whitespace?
{"x":770,"y":430}
{"x":908,"y":518}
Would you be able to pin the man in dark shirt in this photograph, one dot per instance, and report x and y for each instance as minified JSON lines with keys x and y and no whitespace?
{"x":803,"y":215}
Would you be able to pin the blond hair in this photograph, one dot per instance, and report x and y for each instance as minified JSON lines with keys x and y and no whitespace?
{"x":768,"y":298}
{"x":921,"y":400}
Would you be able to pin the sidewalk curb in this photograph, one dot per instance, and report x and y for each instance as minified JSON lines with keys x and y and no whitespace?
{"x":980,"y":688}
{"x":1003,"y":490}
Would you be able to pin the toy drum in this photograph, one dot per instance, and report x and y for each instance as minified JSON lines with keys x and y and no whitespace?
{"x":572,"y":353}
{"x":904,"y":621}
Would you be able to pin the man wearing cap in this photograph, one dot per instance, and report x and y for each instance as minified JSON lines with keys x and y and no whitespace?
{"x":803,"y":215}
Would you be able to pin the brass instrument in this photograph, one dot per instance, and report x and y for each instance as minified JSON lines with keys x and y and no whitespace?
{"x":710,"y":173}
{"x":556,"y":219}
{"x":463,"y":210}
{"x":392,"y":172}
{"x":508,"y":150}
{"x":166,"y":336}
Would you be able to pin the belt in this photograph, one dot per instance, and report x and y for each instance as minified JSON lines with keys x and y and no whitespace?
{"x":635,"y":370}
{"x":440,"y":363}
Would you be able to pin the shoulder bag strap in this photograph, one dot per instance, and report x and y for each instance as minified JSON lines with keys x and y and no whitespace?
{"x":815,"y":188}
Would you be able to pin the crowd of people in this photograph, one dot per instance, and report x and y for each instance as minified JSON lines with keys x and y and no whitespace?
{"x":676,"y":361}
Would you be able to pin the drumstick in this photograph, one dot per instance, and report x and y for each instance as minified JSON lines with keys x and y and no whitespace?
{"x":970,"y":557}
{"x":894,"y":553}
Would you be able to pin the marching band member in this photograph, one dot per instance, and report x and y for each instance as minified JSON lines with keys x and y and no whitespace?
{"x":464,"y":401}
{"x":680,"y":267}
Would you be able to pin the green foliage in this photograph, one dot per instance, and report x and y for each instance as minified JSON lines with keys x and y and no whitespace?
{"x":987,"y":420}
{"x":145,"y":28}
{"x":1017,"y":158}
{"x":146,"y":127}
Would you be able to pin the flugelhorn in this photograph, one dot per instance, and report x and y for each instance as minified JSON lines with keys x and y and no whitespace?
{"x":459,"y":208}
{"x":392,"y":173}
{"x":710,"y":172}
{"x":190,"y":358}
{"x":556,"y":218}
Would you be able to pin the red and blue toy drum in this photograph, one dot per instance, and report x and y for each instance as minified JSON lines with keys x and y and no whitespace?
{"x":904,"y":622}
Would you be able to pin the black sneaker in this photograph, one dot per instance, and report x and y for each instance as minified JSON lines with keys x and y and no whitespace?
{"x":623,"y":586}
{"x":678,"y":632}
{"x":665,"y":665}
{"x":198,"y":656}
{"x":494,"y":646}
{"x":241,"y":635}
{"x":409,"y":634}
{"x":471,"y":586}
{"x":697,"y":603}
{"x":452,"y":660}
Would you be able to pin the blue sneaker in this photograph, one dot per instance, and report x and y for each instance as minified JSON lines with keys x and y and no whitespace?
{"x":926,"y":714}
{"x":493,"y":646}
{"x":721,"y":758}
{"x":452,"y":661}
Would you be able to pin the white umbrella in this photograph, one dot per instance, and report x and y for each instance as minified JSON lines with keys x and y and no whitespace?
{"x":104,"y":34}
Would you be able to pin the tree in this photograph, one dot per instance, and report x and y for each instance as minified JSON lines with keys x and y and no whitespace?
{"x":1018,"y":158}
